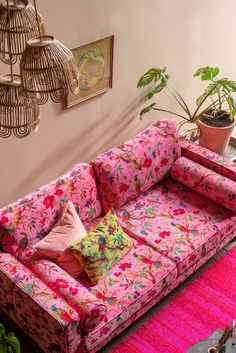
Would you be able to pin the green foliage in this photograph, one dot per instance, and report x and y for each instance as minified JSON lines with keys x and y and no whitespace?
{"x":9,"y":343}
{"x":209,"y":91}
{"x":157,"y":89}
{"x":232,"y":105}
{"x":207,"y":73}
{"x":220,"y":87}
{"x":217,"y":93}
{"x":147,"y":109}
{"x":152,"y":76}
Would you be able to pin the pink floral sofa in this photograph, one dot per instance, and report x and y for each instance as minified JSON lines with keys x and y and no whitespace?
{"x":174,"y":199}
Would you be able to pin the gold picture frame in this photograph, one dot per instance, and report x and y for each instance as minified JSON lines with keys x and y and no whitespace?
{"x":95,"y":65}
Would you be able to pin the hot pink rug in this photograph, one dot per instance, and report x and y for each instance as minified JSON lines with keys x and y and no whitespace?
{"x":207,"y":303}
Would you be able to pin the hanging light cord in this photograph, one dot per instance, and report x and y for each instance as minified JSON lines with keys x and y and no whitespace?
{"x":9,"y":39}
{"x":37,"y":19}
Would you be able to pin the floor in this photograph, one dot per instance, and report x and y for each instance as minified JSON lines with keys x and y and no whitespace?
{"x":28,"y":346}
{"x":231,"y":151}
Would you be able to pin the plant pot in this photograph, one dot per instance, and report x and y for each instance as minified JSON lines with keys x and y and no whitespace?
{"x":215,"y":139}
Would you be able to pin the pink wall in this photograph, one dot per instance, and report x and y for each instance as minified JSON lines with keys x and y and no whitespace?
{"x":182,"y":35}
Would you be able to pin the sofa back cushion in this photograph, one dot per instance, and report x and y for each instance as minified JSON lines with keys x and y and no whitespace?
{"x":134,"y":166}
{"x":28,"y":220}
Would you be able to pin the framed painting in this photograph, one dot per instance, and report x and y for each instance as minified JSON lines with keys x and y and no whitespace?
{"x":95,"y":64}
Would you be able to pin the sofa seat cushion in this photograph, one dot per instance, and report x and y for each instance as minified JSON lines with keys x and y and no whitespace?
{"x":25,"y":222}
{"x":176,"y":221}
{"x":141,"y":275}
{"x":126,"y":170}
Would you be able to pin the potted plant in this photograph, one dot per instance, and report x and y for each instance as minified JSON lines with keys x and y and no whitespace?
{"x":215,"y":108}
{"x":9,"y":343}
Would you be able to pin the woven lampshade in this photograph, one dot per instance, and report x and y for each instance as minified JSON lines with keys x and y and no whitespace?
{"x":17,"y":29}
{"x":18,"y":114}
{"x":48,"y":69}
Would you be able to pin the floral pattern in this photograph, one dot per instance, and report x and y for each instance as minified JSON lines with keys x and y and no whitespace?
{"x":92,"y":311}
{"x":208,"y":159}
{"x":108,"y":330}
{"x":28,"y":220}
{"x":176,"y":221}
{"x":125,"y":171}
{"x":37,"y":309}
{"x":174,"y":231}
{"x":140,"y":278}
{"x":205,"y":181}
{"x":104,"y":245}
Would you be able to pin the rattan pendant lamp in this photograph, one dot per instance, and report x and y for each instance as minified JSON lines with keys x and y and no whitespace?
{"x":20,"y":26}
{"x":18,"y":113}
{"x":48,"y":68}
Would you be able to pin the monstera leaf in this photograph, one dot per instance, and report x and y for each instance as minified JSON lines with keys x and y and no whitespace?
{"x":152,"y":76}
{"x":207,"y":73}
{"x":144,"y":111}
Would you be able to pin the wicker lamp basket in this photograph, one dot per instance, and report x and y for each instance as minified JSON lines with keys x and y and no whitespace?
{"x":18,"y":114}
{"x":16,"y":28}
{"x":48,"y":69}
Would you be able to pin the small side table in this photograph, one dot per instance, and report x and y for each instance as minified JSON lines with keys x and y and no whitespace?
{"x":202,"y":347}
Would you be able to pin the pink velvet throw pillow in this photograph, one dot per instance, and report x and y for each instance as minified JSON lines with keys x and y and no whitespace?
{"x":55,"y":245}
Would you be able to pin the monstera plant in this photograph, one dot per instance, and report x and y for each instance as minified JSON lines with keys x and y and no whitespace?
{"x":215,"y":110}
{"x":9,"y":343}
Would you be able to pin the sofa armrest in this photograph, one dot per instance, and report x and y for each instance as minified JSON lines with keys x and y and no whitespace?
{"x":90,"y":308}
{"x":214,"y":186}
{"x":208,"y":159}
{"x":36,"y":308}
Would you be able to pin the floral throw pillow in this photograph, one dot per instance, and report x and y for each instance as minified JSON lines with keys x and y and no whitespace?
{"x":101,"y":247}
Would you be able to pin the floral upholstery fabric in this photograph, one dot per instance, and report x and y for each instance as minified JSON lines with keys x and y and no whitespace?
{"x":89,"y":225}
{"x":134,"y":275}
{"x":174,"y":231}
{"x":205,"y":258}
{"x":92,"y":311}
{"x":108,"y":330}
{"x":101,"y":247}
{"x":208,"y":159}
{"x":176,"y":221}
{"x":37,"y":309}
{"x":140,"y":276}
{"x":205,"y":181}
{"x":28,"y":220}
{"x":133,"y":167}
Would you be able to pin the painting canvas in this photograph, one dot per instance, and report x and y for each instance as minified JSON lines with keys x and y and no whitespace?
{"x":94,"y":61}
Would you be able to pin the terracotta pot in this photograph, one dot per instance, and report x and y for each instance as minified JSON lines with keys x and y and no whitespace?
{"x":215,"y":139}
